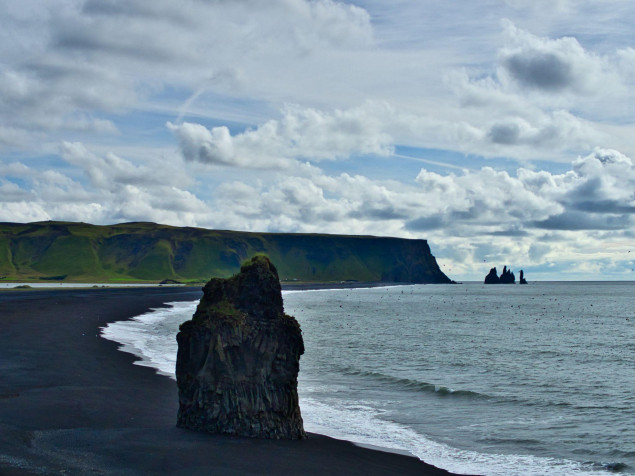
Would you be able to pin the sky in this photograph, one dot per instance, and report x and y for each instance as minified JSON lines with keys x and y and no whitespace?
{"x":502,"y":131}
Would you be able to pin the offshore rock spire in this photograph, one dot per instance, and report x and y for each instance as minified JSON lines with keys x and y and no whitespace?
{"x":506,"y":277}
{"x":238,"y":359}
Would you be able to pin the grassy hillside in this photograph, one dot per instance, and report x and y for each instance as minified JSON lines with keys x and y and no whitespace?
{"x":137,"y":252}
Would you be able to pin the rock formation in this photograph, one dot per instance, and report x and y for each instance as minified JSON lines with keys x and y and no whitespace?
{"x":152,"y":252}
{"x":522,"y":278}
{"x":506,"y":277}
{"x":238,"y":359}
{"x":492,"y":277}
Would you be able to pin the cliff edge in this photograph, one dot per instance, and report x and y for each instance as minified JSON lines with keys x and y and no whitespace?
{"x":132,"y":252}
{"x":238,"y":359}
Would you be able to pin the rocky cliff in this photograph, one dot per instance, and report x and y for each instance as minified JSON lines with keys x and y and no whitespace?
{"x":238,"y":359}
{"x":152,"y":252}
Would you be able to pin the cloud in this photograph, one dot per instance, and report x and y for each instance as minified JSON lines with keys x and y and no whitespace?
{"x":299,"y":134}
{"x":11,"y":192}
{"x":554,"y":66}
{"x":576,"y":221}
{"x":549,"y":131}
{"x":542,"y":70}
{"x":597,"y":193}
{"x":549,"y":98}
{"x":117,"y":190}
{"x":604,"y":183}
{"x":72,"y":63}
{"x":22,"y":212}
{"x":110,"y":170}
{"x":93,"y":64}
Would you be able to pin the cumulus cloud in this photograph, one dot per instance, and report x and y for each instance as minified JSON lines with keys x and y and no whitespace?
{"x":133,"y":191}
{"x":479,"y":202}
{"x":75,"y":62}
{"x":554,"y":65}
{"x":299,"y":134}
{"x":547,"y":97}
{"x":93,"y":60}
{"x":117,"y":190}
{"x":548,"y":131}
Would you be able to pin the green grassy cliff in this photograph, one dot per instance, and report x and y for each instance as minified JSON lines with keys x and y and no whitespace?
{"x":137,"y":252}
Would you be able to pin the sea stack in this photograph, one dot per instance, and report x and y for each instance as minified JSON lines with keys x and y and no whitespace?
{"x":238,"y":359}
{"x":506,"y":277}
{"x":492,"y":277}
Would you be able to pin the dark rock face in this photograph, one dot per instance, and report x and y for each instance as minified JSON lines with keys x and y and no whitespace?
{"x":492,"y":277}
{"x":238,"y":359}
{"x":506,"y":277}
{"x":522,"y":278}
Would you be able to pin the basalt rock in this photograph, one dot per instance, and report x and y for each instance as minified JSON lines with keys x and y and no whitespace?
{"x":238,"y":359}
{"x":492,"y":277}
{"x":506,"y":277}
{"x":522,"y":278}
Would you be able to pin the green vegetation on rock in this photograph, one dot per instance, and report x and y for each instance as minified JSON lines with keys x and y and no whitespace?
{"x":148,"y":252}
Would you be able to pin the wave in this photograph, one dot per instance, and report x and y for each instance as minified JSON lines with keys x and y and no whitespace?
{"x":417,"y":385}
{"x":152,"y":336}
{"x":368,"y":425}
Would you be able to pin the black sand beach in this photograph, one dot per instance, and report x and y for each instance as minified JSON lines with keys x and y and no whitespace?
{"x":71,"y":403}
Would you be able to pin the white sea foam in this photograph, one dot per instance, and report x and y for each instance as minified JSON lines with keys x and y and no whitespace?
{"x":151,"y":337}
{"x":363,"y":423}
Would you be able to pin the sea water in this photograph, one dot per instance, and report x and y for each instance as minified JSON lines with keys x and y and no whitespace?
{"x":495,"y":380}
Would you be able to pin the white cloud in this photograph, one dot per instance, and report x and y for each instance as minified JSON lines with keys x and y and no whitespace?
{"x":117,"y":190}
{"x":299,"y":134}
{"x":554,"y":66}
{"x":91,"y":58}
{"x":22,"y":212}
{"x":482,"y":202}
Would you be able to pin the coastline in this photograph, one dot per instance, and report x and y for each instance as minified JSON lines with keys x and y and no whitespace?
{"x":286,"y":286}
{"x":71,"y":402}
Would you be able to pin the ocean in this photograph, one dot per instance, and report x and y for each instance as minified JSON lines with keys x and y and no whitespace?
{"x":494,"y":380}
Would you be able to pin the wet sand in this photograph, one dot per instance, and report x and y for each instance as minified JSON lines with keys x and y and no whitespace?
{"x":71,"y":403}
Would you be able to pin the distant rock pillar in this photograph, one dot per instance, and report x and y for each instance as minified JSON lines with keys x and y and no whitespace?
{"x":522,"y":278}
{"x":238,"y":359}
{"x":492,"y":277}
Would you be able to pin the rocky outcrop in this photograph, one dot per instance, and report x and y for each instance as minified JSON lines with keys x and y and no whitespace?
{"x":238,"y":359}
{"x":506,"y":277}
{"x":492,"y":277}
{"x":522,"y":278}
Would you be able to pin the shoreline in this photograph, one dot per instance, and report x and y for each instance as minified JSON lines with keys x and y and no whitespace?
{"x":70,"y":401}
{"x":286,"y":286}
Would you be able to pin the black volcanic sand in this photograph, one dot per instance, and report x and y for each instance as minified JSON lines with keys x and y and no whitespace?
{"x":71,"y":403}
